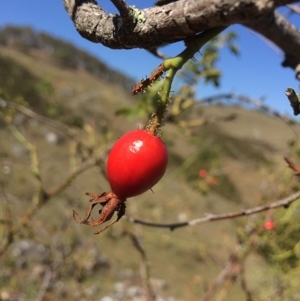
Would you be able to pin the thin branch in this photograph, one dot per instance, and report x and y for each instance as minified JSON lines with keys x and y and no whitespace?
{"x":122,"y":6}
{"x":163,"y":2}
{"x":35,"y":168}
{"x":56,"y":189}
{"x":233,"y":96}
{"x":244,"y":285}
{"x":37,"y":174}
{"x":93,"y":161}
{"x":125,"y":12}
{"x":248,"y":100}
{"x":158,"y":53}
{"x":29,"y":113}
{"x":217,"y":217}
{"x":45,"y":285}
{"x":292,"y":166}
{"x":232,"y":263}
{"x":6,"y":221}
{"x":233,"y":267}
{"x":255,"y":102}
{"x":145,"y":266}
{"x":279,"y":30}
{"x":229,"y":281}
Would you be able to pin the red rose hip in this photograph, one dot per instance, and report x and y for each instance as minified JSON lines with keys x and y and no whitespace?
{"x":137,"y":161}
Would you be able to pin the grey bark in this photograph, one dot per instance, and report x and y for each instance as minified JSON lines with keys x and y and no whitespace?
{"x":184,"y":18}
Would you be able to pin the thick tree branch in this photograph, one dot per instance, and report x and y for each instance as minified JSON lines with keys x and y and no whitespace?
{"x":282,"y":33}
{"x":184,"y":18}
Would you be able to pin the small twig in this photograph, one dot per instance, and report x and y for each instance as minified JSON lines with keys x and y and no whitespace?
{"x":216,"y":217}
{"x":29,"y":113}
{"x":233,"y":267}
{"x":35,"y":168}
{"x":223,"y":275}
{"x":158,"y":53}
{"x":122,"y":7}
{"x":57,"y":189}
{"x":229,"y":281}
{"x":163,"y":2}
{"x":245,"y":99}
{"x":145,"y":266}
{"x":45,"y":285}
{"x":77,"y":170}
{"x":294,"y":8}
{"x":293,"y":166}
{"x":126,"y":13}
{"x":7,"y":224}
{"x":294,"y":100}
{"x":244,"y":285}
{"x":255,"y":102}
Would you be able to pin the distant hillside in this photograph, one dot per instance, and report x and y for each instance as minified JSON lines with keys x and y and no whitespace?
{"x":61,"y":52}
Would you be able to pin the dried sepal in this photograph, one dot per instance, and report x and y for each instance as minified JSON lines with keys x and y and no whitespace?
{"x":110,"y":204}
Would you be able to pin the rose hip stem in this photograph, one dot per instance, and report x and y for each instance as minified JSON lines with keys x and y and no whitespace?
{"x":172,"y":65}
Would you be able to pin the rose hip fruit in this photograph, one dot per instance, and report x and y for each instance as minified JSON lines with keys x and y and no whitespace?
{"x":137,"y":161}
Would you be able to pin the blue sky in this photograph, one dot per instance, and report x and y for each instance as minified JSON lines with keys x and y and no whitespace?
{"x":256,"y":72}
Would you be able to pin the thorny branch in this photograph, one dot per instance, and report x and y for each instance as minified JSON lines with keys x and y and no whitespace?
{"x":179,"y":20}
{"x":217,"y":217}
{"x":144,"y":83}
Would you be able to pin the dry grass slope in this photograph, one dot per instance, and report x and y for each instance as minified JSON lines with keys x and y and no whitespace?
{"x":183,"y":261}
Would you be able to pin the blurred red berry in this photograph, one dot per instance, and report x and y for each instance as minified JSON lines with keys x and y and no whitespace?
{"x":269,"y":225}
{"x":203,"y":173}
